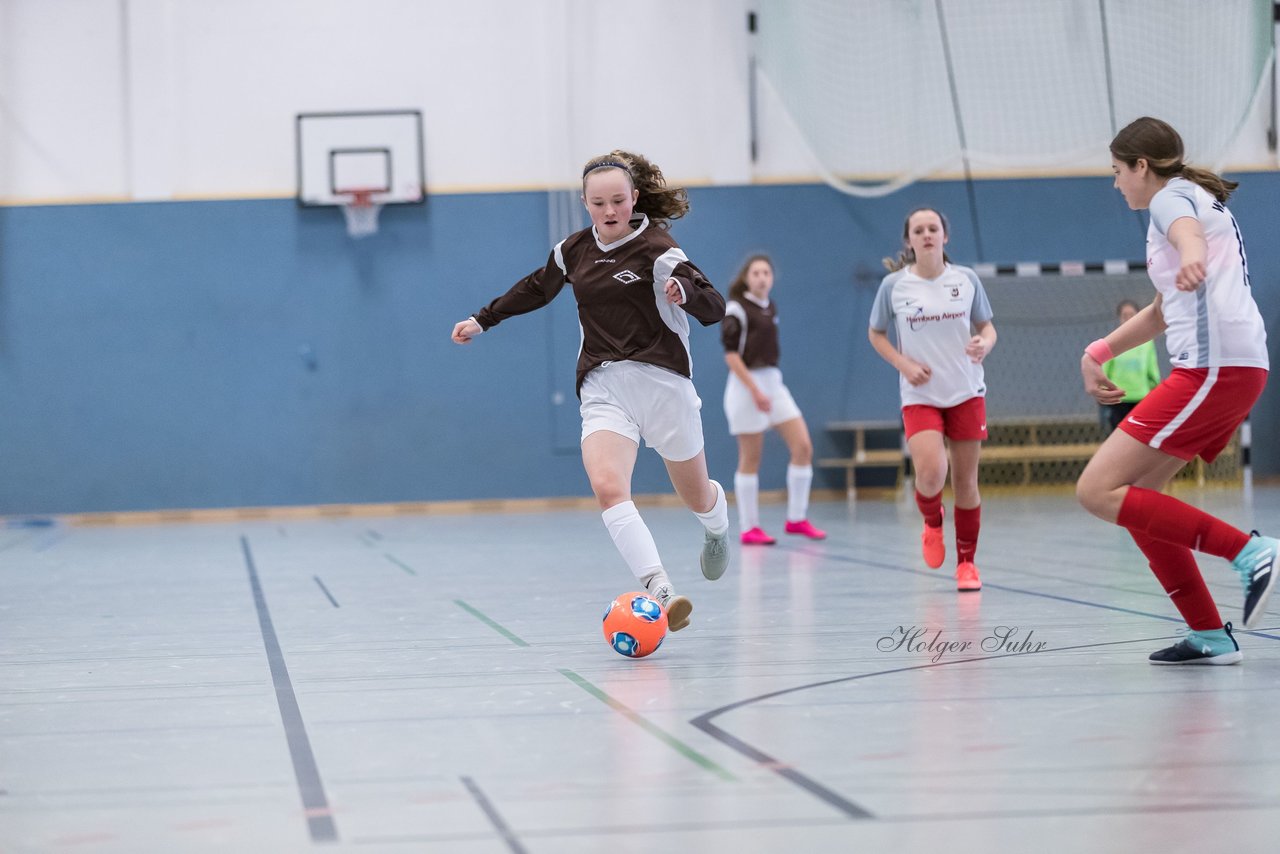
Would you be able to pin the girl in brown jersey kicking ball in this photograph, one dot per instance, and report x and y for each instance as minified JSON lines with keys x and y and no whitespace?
{"x":635,"y":290}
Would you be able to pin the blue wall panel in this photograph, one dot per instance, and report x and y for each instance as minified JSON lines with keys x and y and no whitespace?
{"x":207,"y":354}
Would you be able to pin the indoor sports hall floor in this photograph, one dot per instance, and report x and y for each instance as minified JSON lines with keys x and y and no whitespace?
{"x":441,"y":684}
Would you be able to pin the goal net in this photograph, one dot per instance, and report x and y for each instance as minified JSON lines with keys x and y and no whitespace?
{"x":886,"y":92}
{"x":1035,"y":395}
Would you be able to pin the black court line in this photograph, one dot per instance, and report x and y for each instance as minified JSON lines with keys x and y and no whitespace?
{"x":844,"y":805}
{"x":807,"y":783}
{"x":633,"y":832}
{"x":326,"y":592}
{"x":319,"y":816}
{"x":986,"y":585}
{"x":494,"y":816}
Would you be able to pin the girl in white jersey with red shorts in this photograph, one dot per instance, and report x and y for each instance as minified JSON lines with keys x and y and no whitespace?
{"x":942,"y":319}
{"x":636,"y":290}
{"x":1218,"y":349}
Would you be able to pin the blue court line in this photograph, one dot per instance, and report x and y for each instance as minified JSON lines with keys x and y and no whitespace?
{"x":17,"y":541}
{"x":305,"y":771}
{"x":50,"y":542}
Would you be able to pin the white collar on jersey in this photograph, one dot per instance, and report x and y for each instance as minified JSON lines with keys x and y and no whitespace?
{"x":761,"y":303}
{"x":639,"y":225}
{"x":946,"y":268}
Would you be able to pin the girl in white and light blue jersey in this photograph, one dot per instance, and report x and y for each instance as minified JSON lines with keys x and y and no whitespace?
{"x":1218,"y":348}
{"x":942,"y":321}
{"x":933,"y":320}
{"x":1216,"y":326}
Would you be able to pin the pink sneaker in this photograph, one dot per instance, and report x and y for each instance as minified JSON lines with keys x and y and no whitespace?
{"x":931,"y":544}
{"x":757,"y":537}
{"x":967,"y":578}
{"x":806,"y":528}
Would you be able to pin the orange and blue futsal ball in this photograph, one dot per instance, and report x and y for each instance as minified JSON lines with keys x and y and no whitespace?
{"x":635,"y":624}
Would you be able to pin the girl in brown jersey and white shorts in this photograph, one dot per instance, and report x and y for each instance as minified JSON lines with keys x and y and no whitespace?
{"x":636,"y":290}
{"x":755,"y":399}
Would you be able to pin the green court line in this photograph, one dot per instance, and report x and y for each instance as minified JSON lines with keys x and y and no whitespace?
{"x":511,"y":636}
{"x":645,"y":724}
{"x":403,"y":566}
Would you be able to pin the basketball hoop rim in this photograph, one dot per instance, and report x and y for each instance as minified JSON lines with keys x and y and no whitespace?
{"x":360,"y":197}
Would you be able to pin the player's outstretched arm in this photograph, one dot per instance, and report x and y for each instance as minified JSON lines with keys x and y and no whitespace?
{"x":465,"y":330}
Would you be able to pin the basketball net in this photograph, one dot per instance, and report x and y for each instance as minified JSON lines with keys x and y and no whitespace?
{"x":361,"y":212}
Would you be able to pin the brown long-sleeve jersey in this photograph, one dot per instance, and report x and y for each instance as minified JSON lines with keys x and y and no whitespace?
{"x":622,"y":304}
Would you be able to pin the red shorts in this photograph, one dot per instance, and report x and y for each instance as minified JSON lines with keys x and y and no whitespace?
{"x":1195,"y":411}
{"x":964,"y":422}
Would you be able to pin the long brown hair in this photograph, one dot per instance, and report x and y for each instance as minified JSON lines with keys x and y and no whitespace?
{"x":739,"y":285}
{"x":907,"y":255}
{"x":1159,"y":144}
{"x":657,"y":201}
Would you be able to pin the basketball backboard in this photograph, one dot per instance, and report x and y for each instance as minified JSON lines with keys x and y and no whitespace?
{"x":378,"y":153}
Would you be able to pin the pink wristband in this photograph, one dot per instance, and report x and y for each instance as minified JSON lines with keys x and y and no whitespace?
{"x":1100,"y":351}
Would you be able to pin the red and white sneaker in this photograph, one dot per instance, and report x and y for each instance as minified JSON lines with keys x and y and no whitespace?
{"x":932,"y":546}
{"x":967,"y":577}
{"x":805,"y":528}
{"x":757,"y":537}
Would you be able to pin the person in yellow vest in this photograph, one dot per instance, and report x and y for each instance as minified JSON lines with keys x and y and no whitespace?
{"x":1136,"y":371}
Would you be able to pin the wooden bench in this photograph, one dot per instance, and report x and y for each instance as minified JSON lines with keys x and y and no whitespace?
{"x":864,"y":457}
{"x":1028,"y":454}
{"x":1013,"y":440}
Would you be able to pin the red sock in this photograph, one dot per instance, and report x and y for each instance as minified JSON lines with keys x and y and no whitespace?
{"x":968,"y":521}
{"x":1173,"y":521}
{"x":931,"y":509}
{"x":1175,"y":568}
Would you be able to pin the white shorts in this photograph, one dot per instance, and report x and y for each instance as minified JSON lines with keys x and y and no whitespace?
{"x":740,"y":407}
{"x":639,"y":400}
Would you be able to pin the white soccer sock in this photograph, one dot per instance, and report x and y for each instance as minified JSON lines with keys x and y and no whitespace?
{"x":634,"y":542}
{"x":716,"y":520}
{"x":799,"y":480}
{"x":655,"y":580}
{"x":746,"y":492}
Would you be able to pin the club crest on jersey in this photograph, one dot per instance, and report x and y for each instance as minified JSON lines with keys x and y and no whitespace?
{"x":626,"y":277}
{"x":955,"y":292}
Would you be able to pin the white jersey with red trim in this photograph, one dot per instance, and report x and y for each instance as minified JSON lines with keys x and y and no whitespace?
{"x":934,"y":320}
{"x":1218,"y":324}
